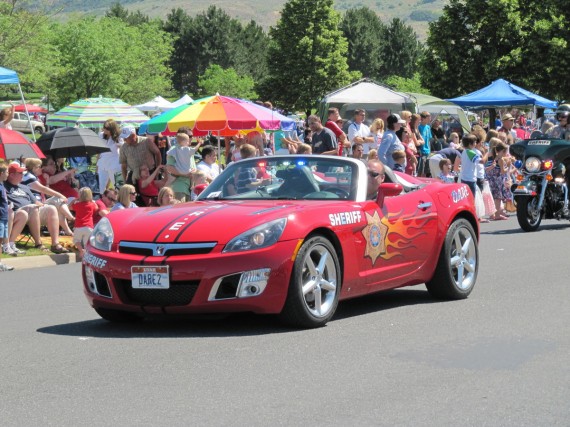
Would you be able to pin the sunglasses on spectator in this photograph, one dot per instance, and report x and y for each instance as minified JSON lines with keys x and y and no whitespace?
{"x":375,"y":174}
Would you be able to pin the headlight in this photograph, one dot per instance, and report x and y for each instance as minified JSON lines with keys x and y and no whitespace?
{"x":258,"y":237}
{"x":532,"y":164}
{"x":102,"y":235}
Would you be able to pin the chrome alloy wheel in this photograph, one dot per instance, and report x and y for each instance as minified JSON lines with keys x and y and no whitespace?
{"x":319,"y":281}
{"x":463,"y":260}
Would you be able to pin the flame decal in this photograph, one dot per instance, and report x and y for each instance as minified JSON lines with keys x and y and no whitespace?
{"x":389,"y":236}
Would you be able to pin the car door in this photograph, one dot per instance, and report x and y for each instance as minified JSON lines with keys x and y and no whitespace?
{"x":399,"y":237}
{"x":19,"y":122}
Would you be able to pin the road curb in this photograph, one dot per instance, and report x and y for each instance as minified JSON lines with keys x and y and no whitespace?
{"x":21,"y":263}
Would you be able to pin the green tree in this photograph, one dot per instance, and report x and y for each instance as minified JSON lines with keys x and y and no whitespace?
{"x":365,"y":34}
{"x":400,"y":51}
{"x":178,"y":24}
{"x":201,"y":41}
{"x":226,"y":82}
{"x":547,"y":48}
{"x":250,"y":51}
{"x":111,"y":58}
{"x":131,"y":18}
{"x":307,"y":55}
{"x":471,"y":45}
{"x":23,"y":47}
{"x":402,"y":84}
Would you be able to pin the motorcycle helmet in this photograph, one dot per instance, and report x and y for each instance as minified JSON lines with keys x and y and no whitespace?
{"x":563,"y":110}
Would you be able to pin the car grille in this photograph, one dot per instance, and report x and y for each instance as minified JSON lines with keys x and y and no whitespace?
{"x":179,"y":293}
{"x":166,"y":249}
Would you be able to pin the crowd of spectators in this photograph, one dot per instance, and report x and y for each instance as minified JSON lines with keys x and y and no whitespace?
{"x":156,"y":170}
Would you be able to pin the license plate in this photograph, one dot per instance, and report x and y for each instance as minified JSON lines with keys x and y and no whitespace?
{"x":150,"y":277}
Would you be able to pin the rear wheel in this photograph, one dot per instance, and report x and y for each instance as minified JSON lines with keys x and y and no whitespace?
{"x":39,"y":130}
{"x":458,"y":263}
{"x":117,"y":316}
{"x":314,"y":289}
{"x":529,"y":215}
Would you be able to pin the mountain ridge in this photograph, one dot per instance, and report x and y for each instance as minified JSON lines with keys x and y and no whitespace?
{"x":415,"y":13}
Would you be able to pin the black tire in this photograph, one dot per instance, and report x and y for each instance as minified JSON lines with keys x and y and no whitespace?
{"x":456,"y":271}
{"x":528,"y":216}
{"x":38,"y":130}
{"x":117,"y":316}
{"x":315,"y":285}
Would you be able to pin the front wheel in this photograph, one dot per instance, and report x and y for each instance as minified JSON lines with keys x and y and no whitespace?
{"x":456,"y":271}
{"x":529,"y":215}
{"x":314,"y":289}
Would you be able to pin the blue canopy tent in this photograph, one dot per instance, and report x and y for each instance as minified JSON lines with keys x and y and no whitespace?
{"x":9,"y":77}
{"x":502,"y":93}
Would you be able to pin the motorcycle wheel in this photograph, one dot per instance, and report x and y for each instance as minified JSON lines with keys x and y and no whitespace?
{"x":528,"y":214}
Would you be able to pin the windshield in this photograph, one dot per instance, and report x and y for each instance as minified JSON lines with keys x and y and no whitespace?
{"x":286,"y":178}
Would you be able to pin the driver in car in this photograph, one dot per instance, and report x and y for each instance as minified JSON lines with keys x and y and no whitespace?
{"x":375,"y":178}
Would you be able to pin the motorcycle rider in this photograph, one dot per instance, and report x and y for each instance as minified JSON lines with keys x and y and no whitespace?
{"x":562,"y":130}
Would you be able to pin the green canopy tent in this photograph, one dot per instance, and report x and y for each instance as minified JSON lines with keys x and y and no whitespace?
{"x":441,"y":109}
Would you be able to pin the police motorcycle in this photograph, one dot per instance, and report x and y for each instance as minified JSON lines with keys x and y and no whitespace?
{"x":541,"y":189}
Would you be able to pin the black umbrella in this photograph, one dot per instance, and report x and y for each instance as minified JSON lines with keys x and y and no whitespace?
{"x":71,"y":142}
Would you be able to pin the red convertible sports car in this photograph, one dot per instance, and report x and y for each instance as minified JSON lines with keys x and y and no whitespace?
{"x":290,"y":235}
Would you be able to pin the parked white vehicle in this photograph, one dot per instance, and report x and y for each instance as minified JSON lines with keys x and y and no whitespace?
{"x":21,"y":124}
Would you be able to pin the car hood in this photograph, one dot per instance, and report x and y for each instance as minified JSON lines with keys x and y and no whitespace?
{"x":196,"y":221}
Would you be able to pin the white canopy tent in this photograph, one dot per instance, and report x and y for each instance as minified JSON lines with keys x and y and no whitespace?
{"x":186,"y":99}
{"x":377,"y":100}
{"x":156,"y":104}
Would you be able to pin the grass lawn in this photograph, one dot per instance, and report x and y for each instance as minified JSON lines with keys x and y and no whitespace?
{"x":65,"y":241}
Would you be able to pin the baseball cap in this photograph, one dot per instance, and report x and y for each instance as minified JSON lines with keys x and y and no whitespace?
{"x":15,"y":167}
{"x":395,"y":118}
{"x":126,"y":131}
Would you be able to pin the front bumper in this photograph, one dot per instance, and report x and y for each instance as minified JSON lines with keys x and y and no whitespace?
{"x":198,"y":283}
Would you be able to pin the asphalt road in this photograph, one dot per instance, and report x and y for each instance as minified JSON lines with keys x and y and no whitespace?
{"x":499,"y":358}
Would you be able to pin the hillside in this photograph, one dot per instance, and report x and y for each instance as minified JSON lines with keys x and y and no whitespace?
{"x":416,"y":13}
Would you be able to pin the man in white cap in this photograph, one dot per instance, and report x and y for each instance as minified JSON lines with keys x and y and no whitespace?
{"x":135,"y":152}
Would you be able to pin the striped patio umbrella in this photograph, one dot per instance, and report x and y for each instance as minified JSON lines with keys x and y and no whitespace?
{"x":93,"y":112}
{"x":220,"y":115}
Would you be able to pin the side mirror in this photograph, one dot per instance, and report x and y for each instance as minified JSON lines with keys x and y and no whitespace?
{"x":388,"y":189}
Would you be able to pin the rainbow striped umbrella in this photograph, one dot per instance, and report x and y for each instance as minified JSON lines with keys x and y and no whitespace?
{"x":93,"y":112}
{"x":219,"y":114}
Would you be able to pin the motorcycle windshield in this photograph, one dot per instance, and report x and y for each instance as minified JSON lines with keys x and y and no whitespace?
{"x":544,"y":149}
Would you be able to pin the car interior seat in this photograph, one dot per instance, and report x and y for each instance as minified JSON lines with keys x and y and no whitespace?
{"x":297,"y":182}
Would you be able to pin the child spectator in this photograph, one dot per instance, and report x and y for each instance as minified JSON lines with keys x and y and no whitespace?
{"x":181,"y":165}
{"x":399,"y":157}
{"x":372,"y":154}
{"x":166,"y":197}
{"x":445,"y":174}
{"x":198,"y":179}
{"x":4,"y":214}
{"x":84,"y":208}
{"x":470,"y":158}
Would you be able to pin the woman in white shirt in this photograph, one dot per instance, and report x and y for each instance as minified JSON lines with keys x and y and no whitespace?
{"x":108,"y":163}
